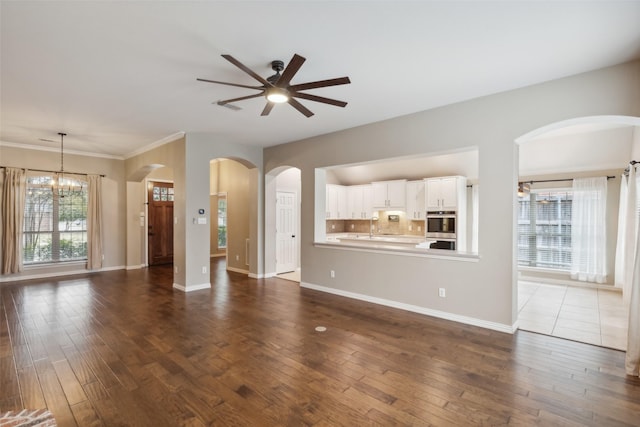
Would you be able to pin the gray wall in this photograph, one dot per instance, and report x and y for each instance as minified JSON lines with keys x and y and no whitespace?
{"x":482,"y":290}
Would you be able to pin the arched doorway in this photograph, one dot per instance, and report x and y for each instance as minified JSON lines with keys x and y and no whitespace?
{"x":230,"y":207}
{"x":550,"y":158}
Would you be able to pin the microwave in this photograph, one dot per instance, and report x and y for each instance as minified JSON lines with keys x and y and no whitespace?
{"x":441,"y":225}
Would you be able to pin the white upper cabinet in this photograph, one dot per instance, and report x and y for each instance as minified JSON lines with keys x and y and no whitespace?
{"x":443,"y":193}
{"x":359,"y":201}
{"x":336,"y":202}
{"x":416,"y":207}
{"x":390,"y":194}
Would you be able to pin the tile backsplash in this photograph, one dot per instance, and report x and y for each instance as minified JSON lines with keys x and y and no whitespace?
{"x":382,"y":225}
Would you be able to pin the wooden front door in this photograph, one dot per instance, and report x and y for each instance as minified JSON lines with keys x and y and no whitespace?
{"x":160,"y":231}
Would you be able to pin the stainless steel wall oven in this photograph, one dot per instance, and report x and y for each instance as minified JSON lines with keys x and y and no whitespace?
{"x":441,"y":225}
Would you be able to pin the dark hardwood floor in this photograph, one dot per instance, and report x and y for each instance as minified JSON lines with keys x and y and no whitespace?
{"x":123,"y":348}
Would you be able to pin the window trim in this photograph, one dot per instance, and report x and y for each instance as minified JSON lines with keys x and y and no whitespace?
{"x":222,"y":196}
{"x":55,"y":232}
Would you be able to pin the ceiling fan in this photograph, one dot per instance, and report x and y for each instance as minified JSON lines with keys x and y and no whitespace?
{"x":277,"y":88}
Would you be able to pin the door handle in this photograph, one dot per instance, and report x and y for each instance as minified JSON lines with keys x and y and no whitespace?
{"x":293,"y":235}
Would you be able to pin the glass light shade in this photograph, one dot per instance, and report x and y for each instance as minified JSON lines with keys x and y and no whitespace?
{"x":523,"y":189}
{"x":277,"y":95}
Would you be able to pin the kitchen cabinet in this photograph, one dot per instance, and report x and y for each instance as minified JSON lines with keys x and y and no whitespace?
{"x":336,"y":201}
{"x":443,"y":194}
{"x":360,"y":205}
{"x":416,"y":207}
{"x":390,"y":194}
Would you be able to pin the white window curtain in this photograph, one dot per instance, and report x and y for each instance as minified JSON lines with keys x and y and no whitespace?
{"x":14,"y":193}
{"x":631,"y":284}
{"x":94,"y":222}
{"x":619,"y":272}
{"x":632,"y":358}
{"x":588,"y":230}
{"x":631,"y":233}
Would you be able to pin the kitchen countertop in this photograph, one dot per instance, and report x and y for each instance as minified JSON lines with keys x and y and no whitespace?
{"x":389,"y":238}
{"x":393,"y":244}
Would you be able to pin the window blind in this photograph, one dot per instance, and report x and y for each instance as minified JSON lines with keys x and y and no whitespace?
{"x":544,"y":229}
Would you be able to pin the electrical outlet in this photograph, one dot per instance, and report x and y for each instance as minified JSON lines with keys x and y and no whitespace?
{"x":175,"y":269}
{"x":419,"y":228}
{"x":442,"y":293}
{"x":353,"y":226}
{"x":410,"y":227}
{"x":333,"y":274}
{"x":237,"y":257}
{"x":333,"y":226}
{"x":204,"y":270}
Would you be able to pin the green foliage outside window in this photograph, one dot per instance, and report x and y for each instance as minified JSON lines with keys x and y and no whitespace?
{"x":55,"y":225}
{"x":222,"y":222}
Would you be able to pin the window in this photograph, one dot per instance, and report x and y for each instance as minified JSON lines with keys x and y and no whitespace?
{"x":544,"y":229}
{"x":222,"y":222}
{"x":55,"y":220}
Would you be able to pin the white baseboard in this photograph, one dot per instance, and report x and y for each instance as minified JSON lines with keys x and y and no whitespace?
{"x":260,"y":276}
{"x":118,"y":267}
{"x":135,"y":267}
{"x":192,"y":287}
{"x":51,"y":274}
{"x":238,"y":270}
{"x":416,"y":309}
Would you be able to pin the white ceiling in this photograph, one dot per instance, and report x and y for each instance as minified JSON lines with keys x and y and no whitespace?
{"x":121,"y":75}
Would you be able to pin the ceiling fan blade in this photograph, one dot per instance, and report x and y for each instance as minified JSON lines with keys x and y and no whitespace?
{"x":242,"y":98}
{"x":267,"y":108}
{"x":231,"y":84}
{"x":247,"y":70}
{"x":292,"y":68}
{"x":304,"y":110}
{"x":320,"y":83}
{"x":319,"y":99}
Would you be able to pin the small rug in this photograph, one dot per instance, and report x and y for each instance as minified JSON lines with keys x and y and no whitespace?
{"x":27,"y":418}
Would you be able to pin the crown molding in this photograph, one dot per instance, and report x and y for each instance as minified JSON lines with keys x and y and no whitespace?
{"x":156,"y":144}
{"x":57,"y":150}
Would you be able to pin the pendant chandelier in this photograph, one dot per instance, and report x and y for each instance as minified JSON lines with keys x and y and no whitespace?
{"x":58,"y":184}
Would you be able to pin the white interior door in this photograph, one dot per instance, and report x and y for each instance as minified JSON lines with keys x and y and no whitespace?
{"x":286,"y":253}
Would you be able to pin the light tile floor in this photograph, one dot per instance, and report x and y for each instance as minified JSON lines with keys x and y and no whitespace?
{"x":593,"y":316}
{"x":293,"y":276}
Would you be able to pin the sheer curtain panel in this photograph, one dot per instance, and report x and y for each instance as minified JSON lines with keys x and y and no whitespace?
{"x":588,"y":230}
{"x":94,"y":223}
{"x":631,"y":233}
{"x":622,"y":230}
{"x":632,"y":358}
{"x":14,"y":192}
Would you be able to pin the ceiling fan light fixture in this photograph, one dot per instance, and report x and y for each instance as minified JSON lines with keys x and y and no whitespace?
{"x":277,"y":95}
